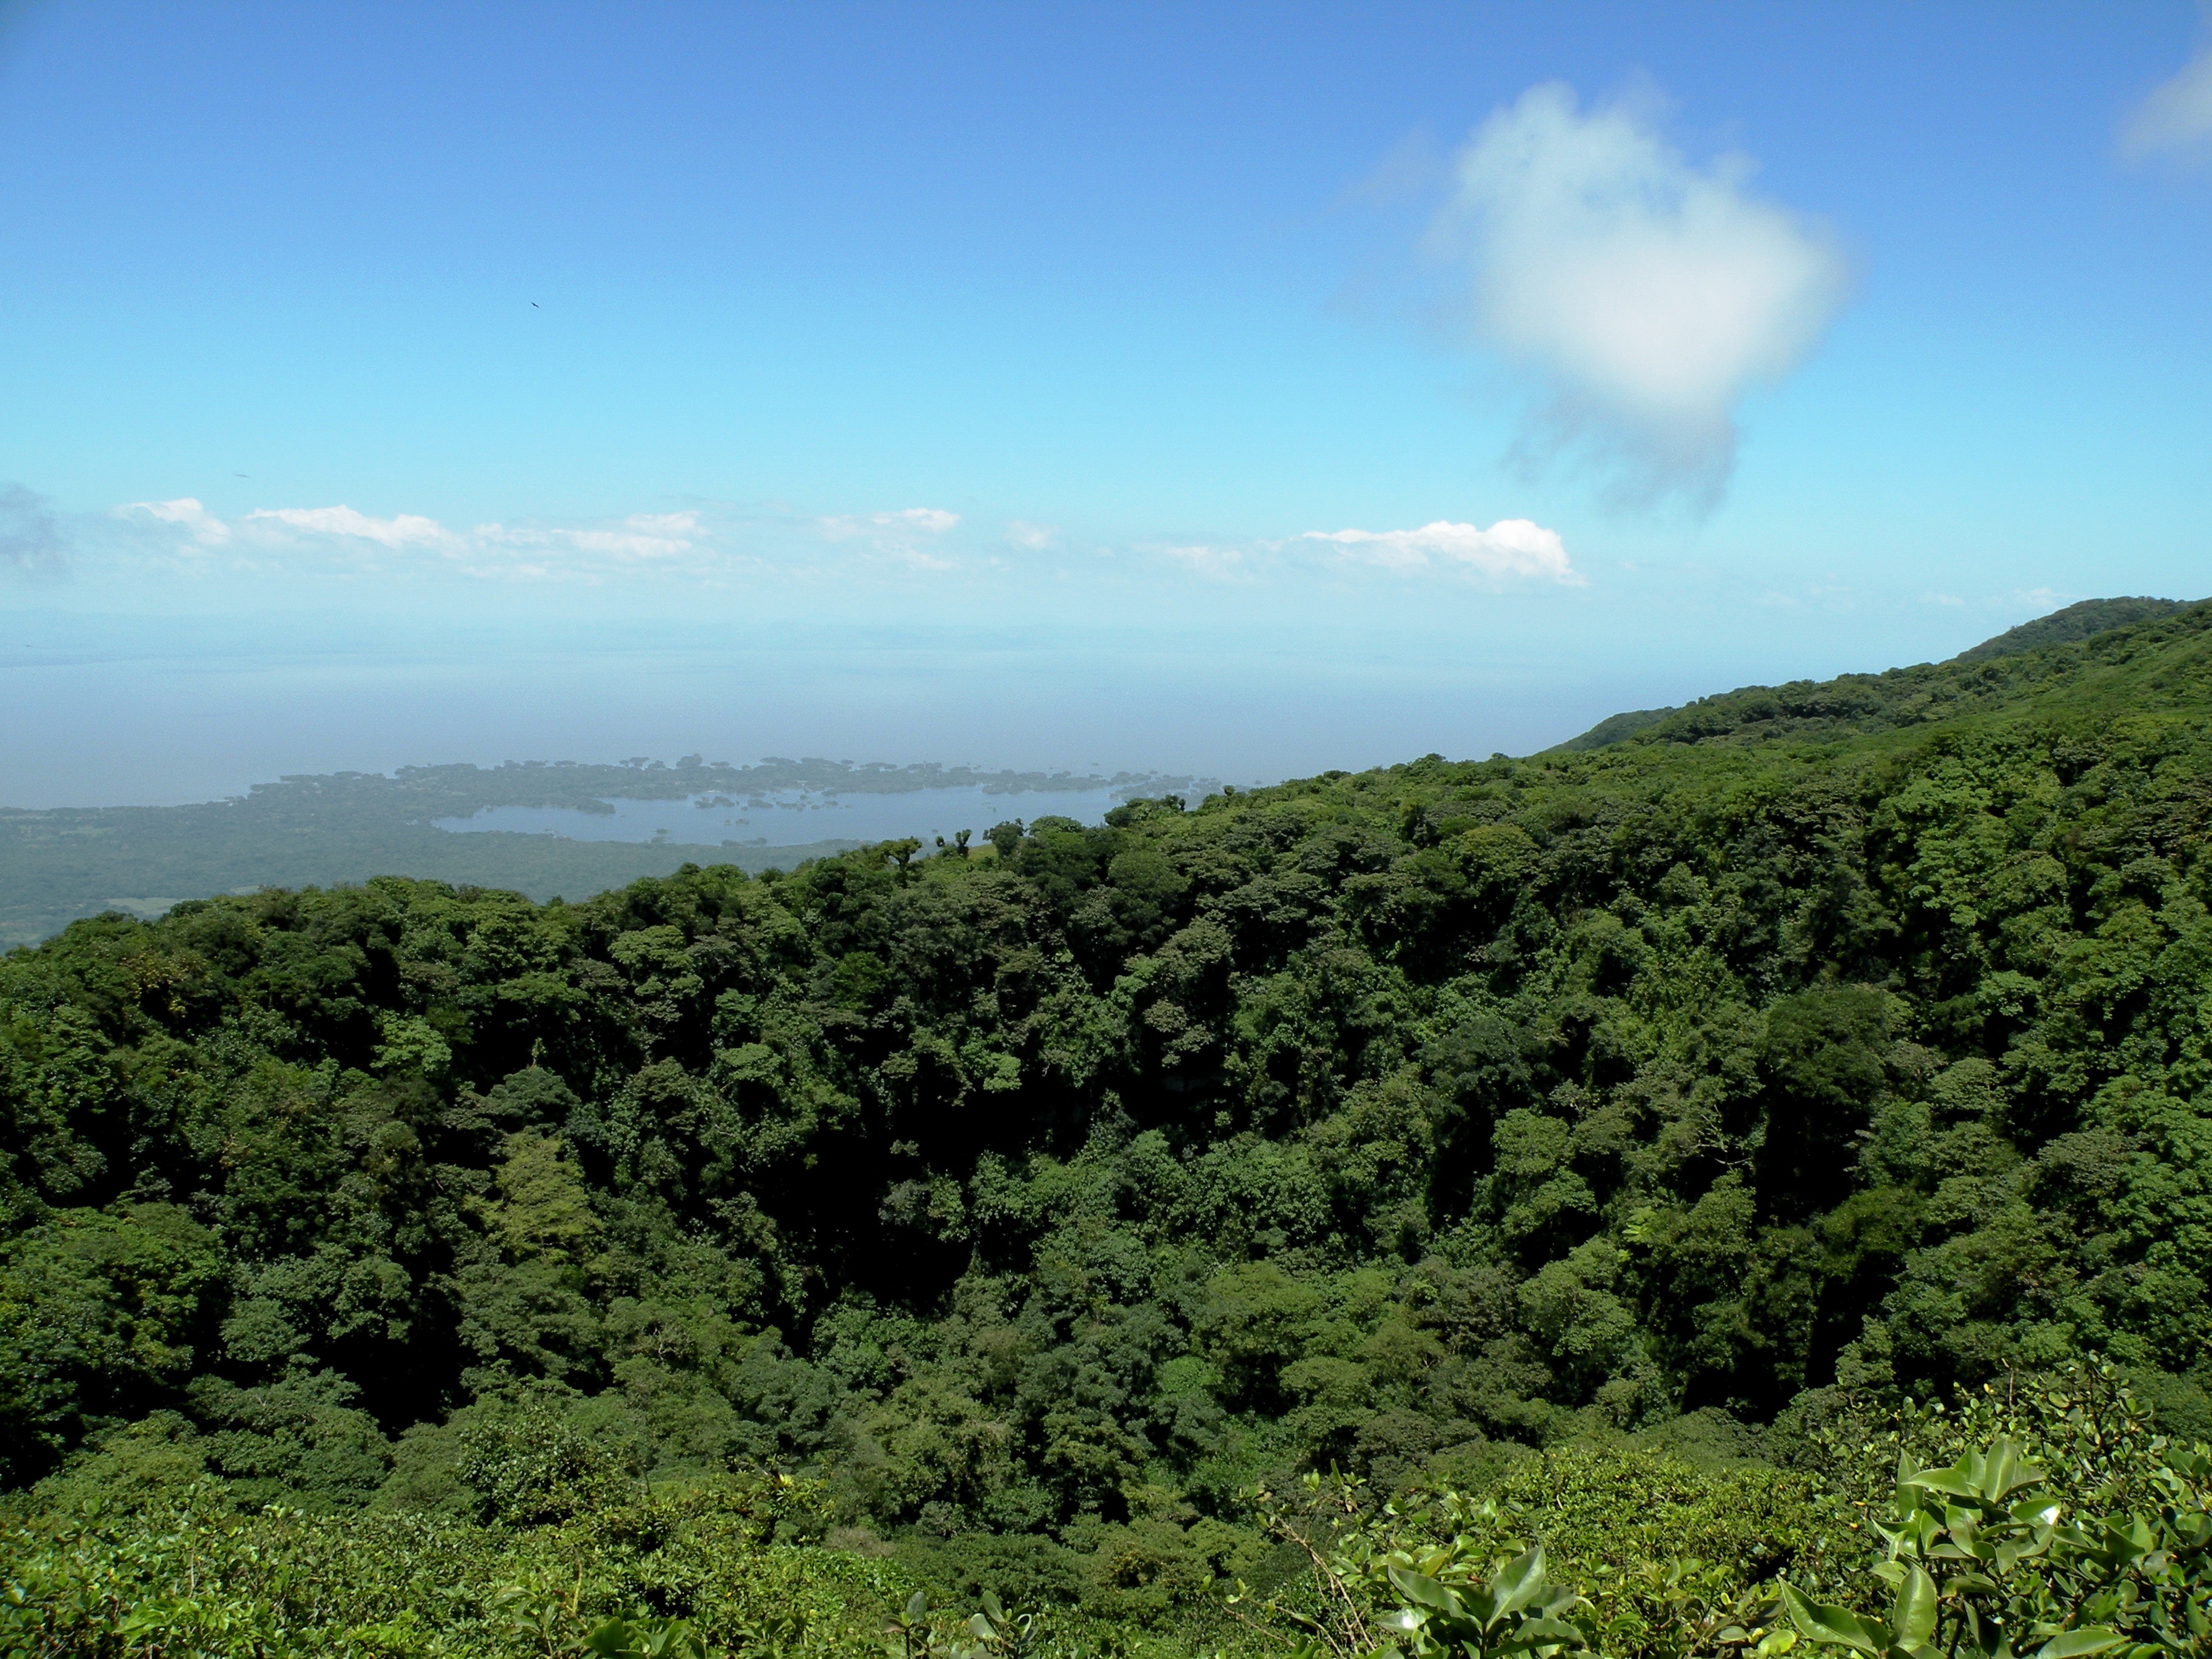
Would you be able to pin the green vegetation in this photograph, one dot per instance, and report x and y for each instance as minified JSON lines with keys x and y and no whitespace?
{"x":2064,"y":1525}
{"x":1594,"y":1153}
{"x":1906,"y":697}
{"x":2076,"y":622}
{"x":58,"y":865}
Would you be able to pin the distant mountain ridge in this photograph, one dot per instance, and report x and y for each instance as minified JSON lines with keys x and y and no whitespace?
{"x":2064,"y":653}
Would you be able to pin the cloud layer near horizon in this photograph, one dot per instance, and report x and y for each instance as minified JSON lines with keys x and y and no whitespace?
{"x":341,"y":540}
{"x":1647,"y":294}
{"x":347,"y":539}
{"x":714,"y":545}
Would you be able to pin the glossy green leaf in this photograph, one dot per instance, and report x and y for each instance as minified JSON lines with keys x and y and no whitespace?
{"x":1837,"y":1627}
{"x":1519,"y":1582}
{"x":2073,"y":1644}
{"x":1913,"y":1612}
{"x":1424,"y":1591}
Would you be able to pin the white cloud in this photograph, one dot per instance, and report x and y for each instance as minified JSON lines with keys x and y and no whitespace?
{"x":926,"y":520}
{"x":642,"y":536}
{"x":1511,"y":548}
{"x":915,"y":559}
{"x":186,"y":513}
{"x":1216,"y":564}
{"x":1648,"y":293}
{"x":935,"y":520}
{"x":337,"y":539}
{"x":1035,"y":537}
{"x":2176,"y":117}
{"x":404,"y":530}
{"x":894,"y":537}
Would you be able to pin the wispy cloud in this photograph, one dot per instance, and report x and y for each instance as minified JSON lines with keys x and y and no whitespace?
{"x":715,"y":544}
{"x":711,"y":543}
{"x":405,"y":530}
{"x":897,"y":538}
{"x":2175,"y":119}
{"x":31,"y":541}
{"x":935,"y":520}
{"x":342,"y":540}
{"x":905,"y":522}
{"x":1216,"y":564}
{"x":641,"y":538}
{"x":915,"y":558}
{"x":1649,"y":295}
{"x":202,"y":526}
{"x":1511,"y":549}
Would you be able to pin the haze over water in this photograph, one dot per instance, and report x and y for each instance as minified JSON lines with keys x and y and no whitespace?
{"x":115,"y":710}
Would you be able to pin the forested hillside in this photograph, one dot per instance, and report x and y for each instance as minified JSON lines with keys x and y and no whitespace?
{"x":1919,"y":695}
{"x":1808,"y":1047}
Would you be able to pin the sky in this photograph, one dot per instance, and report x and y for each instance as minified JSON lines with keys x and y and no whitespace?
{"x":1245,"y":390}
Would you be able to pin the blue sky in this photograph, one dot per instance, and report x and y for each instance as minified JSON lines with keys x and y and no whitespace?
{"x":1246,"y":388}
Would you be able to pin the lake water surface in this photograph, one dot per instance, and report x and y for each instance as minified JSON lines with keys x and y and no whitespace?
{"x":796,"y":819}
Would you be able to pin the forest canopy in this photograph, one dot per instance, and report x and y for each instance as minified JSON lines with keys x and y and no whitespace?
{"x":1805,"y":1050}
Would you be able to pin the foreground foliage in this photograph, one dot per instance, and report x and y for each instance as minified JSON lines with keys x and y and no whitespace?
{"x":2070,"y":1527}
{"x":2066,"y":1524}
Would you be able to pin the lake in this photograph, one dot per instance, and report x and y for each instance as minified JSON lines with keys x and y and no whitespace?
{"x":797,"y":818}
